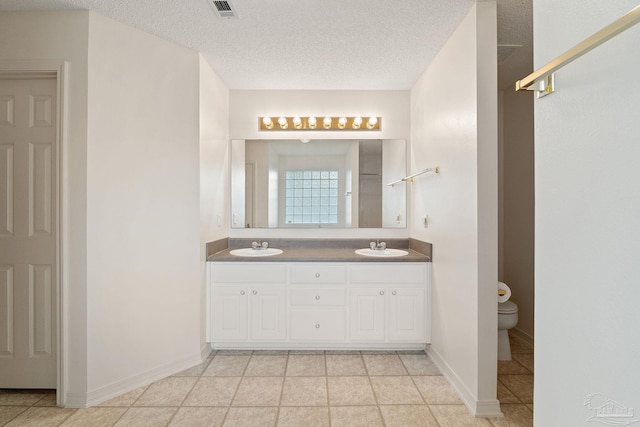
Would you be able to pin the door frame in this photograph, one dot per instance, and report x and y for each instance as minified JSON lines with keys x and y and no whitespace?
{"x":38,"y":69}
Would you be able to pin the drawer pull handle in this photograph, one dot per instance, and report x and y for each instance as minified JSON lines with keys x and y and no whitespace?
{"x":242,"y":292}
{"x":317,"y":275}
{"x":317,"y":297}
{"x":381,"y":292}
{"x":255,"y":292}
{"x":317,"y":325}
{"x":394,"y":292}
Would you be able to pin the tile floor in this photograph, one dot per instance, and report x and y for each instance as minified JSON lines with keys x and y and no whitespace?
{"x":295,"y":388}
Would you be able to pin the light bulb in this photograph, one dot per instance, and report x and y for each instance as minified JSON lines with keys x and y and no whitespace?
{"x":311,"y":122}
{"x":282,"y":121}
{"x":342,"y":122}
{"x":297,"y":122}
{"x":357,"y":122}
{"x":266,"y":121}
{"x":326,"y":122}
{"x":372,"y":122}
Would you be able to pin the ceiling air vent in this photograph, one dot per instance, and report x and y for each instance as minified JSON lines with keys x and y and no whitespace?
{"x":224,"y":9}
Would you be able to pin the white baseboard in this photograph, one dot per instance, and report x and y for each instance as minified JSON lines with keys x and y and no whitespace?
{"x":126,"y":385}
{"x":522,"y":335}
{"x":478,"y":408}
{"x":205,"y":351}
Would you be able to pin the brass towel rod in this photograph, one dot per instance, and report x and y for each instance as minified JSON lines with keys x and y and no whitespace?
{"x":542,"y":80}
{"x":410,"y":177}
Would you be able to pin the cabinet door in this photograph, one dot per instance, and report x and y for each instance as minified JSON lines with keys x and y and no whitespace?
{"x":268,"y":313}
{"x":366,"y":314}
{"x":407,"y":321}
{"x":229,"y":313}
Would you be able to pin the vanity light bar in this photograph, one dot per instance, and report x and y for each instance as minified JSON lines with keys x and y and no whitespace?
{"x":282,"y":123}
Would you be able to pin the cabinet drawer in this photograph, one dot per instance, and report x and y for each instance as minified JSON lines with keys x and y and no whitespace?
{"x":314,"y":325}
{"x":317,"y":297}
{"x":251,"y":273}
{"x":318,"y":273}
{"x":407,"y":272}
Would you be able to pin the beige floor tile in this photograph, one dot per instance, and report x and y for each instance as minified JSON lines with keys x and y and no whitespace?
{"x":300,"y":416}
{"x":515,"y":415}
{"x":395,"y":390}
{"x":126,"y":399}
{"x":213,"y":391}
{"x":437,"y":390}
{"x":199,"y":417}
{"x":505,"y":395}
{"x":20,"y":398}
{"x":94,"y":417}
{"x":407,"y":416}
{"x":384,"y":364}
{"x":511,"y":367}
{"x":259,"y":391}
{"x":227,"y":365}
{"x":456,"y":416}
{"x":270,"y":352}
{"x":169,"y":391}
{"x":350,"y":391}
{"x":266,"y":366}
{"x":41,"y":417}
{"x":526,"y":359}
{"x":345,"y":364}
{"x":146,"y":417}
{"x":378,"y":352}
{"x":419,"y":364}
{"x":306,"y":365}
{"x":234,"y":352}
{"x":304,"y":391}
{"x":251,"y":417}
{"x":197,"y":370}
{"x":520,"y":385}
{"x":518,"y":345}
{"x":530,"y":406}
{"x":49,"y":399}
{"x":307,"y":352}
{"x":343,"y":352}
{"x":355,"y":416}
{"x":7,"y":413}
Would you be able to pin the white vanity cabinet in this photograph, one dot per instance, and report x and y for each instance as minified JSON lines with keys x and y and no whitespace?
{"x":319,"y":305}
{"x":247,"y":303}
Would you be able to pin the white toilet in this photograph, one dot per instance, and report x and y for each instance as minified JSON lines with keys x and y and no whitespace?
{"x":507,"y":319}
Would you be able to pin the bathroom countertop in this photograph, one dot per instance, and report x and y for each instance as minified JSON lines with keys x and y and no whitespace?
{"x":318,"y":254}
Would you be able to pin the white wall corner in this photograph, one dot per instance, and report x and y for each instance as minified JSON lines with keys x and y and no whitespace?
{"x":478,"y":408}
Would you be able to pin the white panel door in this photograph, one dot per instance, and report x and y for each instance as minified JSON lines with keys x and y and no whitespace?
{"x":268,"y":311}
{"x":229,"y":313}
{"x":407,"y":321}
{"x":366,"y":314}
{"x":28,"y":233}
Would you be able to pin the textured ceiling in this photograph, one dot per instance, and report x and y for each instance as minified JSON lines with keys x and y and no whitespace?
{"x":299,"y":44}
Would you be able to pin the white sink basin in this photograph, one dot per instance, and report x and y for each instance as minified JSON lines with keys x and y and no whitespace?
{"x":250,"y":252}
{"x":382,"y":253}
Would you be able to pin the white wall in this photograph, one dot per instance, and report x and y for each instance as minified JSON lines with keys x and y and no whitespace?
{"x":518,"y":206}
{"x":247,"y":105}
{"x":143,"y":216}
{"x":587,"y":236}
{"x":454,"y":126}
{"x":63,"y":36}
{"x":214,"y":170}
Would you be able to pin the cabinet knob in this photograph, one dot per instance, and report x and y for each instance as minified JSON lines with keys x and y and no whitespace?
{"x":393,"y":293}
{"x":317,"y":325}
{"x":255,"y":292}
{"x":242,"y":292}
{"x":317,"y":297}
{"x":317,"y":275}
{"x":381,"y":292}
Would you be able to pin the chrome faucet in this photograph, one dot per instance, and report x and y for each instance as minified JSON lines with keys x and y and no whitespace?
{"x":259,"y":245}
{"x":378,"y":245}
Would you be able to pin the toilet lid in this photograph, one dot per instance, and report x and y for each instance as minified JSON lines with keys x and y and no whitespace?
{"x":507,"y":307}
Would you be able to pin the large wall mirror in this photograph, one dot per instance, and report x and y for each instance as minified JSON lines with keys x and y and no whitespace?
{"x":318,"y":183}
